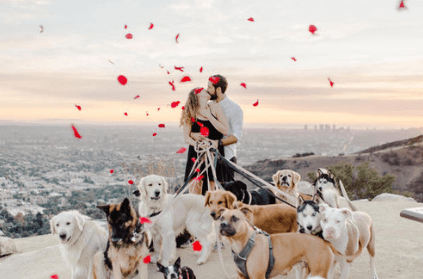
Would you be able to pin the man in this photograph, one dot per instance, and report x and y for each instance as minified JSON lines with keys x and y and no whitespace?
{"x":217,"y":86}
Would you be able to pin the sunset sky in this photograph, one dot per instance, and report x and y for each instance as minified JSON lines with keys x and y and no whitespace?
{"x":372,"y":51}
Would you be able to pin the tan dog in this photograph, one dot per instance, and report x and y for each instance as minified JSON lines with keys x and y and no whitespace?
{"x":286,"y":181}
{"x":288,"y":249}
{"x":272,"y":218}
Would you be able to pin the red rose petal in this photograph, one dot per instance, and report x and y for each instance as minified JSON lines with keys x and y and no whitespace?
{"x":330,"y":82}
{"x":151,"y":26}
{"x":251,"y":19}
{"x":197,"y":170}
{"x":136,"y":97}
{"x":154,"y":134}
{"x":256,"y":103}
{"x":182,"y":150}
{"x":172,"y":84}
{"x":176,"y":38}
{"x":200,"y":124}
{"x":193,"y":159}
{"x":54,"y":276}
{"x":201,"y":69}
{"x":198,"y":178}
{"x":161,"y":125}
{"x":198,"y":90}
{"x":158,"y":109}
{"x":78,"y":107}
{"x":75,"y":132}
{"x":175,"y":104}
{"x":179,"y":68}
{"x":293,"y":58}
{"x":401,"y":5}
{"x":146,"y":113}
{"x":204,"y":131}
{"x":196,"y":246}
{"x":125,"y":113}
{"x":144,"y":220}
{"x":129,"y":36}
{"x":185,"y":79}
{"x":214,"y":80}
{"x":244,"y":85}
{"x":42,"y":29}
{"x":312,"y":29}
{"x":126,"y":26}
{"x":161,"y":67}
{"x":112,"y":171}
{"x":192,"y":119}
{"x":147,"y":259}
{"x":130,"y":182}
{"x":183,"y":107}
{"x":168,"y":72}
{"x":122,"y":79}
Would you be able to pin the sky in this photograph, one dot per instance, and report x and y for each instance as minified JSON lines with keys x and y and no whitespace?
{"x":371,"y":50}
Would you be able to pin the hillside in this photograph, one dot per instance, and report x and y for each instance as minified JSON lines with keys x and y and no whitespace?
{"x":402,"y":158}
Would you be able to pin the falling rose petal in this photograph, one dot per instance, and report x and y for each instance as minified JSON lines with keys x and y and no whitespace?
{"x":125,"y":113}
{"x":111,"y":62}
{"x":200,"y":124}
{"x":201,"y":69}
{"x":183,"y":107}
{"x":196,"y":246}
{"x":175,"y":104}
{"x":192,"y":119}
{"x":42,"y":29}
{"x":330,"y":82}
{"x":176,"y":38}
{"x":204,"y":131}
{"x":126,"y":26}
{"x":162,"y":125}
{"x":130,"y":182}
{"x":185,"y":79}
{"x":182,"y":150}
{"x":151,"y":26}
{"x":256,"y":103}
{"x":146,"y":113}
{"x":251,"y":19}
{"x":312,"y":29}
{"x":172,"y":84}
{"x":168,"y":72}
{"x":198,"y":90}
{"x":75,"y":133}
{"x":112,"y":171}
{"x":147,"y":259}
{"x":401,"y":5}
{"x":198,"y":178}
{"x":158,"y":109}
{"x":197,"y":170}
{"x":78,"y":107}
{"x":122,"y":79}
{"x":214,"y":80}
{"x":161,"y":67}
{"x":293,"y":58}
{"x":129,"y":36}
{"x":54,"y":276}
{"x":144,"y":220}
{"x":136,"y":97}
{"x":193,"y":159}
{"x":244,"y":85}
{"x":179,"y":68}
{"x":154,"y":134}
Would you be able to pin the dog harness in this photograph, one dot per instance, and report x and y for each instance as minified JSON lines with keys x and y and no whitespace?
{"x":241,"y":258}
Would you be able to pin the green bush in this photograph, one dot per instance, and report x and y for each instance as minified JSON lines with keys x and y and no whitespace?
{"x":362,"y":182}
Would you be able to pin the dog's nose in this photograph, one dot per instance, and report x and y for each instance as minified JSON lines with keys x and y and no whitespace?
{"x":284,"y":178}
{"x":309,"y":228}
{"x":157,"y":193}
{"x":213,"y":214}
{"x":63,"y":236}
{"x":223,"y":225}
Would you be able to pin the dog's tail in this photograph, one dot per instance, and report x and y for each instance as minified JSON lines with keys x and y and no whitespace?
{"x":344,"y":193}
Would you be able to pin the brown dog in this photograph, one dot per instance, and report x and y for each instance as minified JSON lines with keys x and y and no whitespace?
{"x":272,"y":218}
{"x":288,"y":249}
{"x":286,"y":181}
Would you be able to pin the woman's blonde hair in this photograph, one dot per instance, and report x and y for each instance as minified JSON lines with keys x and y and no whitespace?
{"x":191,"y":107}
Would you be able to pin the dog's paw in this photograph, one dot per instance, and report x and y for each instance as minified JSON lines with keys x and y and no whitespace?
{"x":201,"y":261}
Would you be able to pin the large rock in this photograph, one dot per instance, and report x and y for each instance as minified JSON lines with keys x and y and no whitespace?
{"x":7,"y":246}
{"x":392,"y":197}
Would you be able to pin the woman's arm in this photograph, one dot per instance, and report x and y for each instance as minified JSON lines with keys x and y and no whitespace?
{"x":221,"y":124}
{"x":187,"y":137}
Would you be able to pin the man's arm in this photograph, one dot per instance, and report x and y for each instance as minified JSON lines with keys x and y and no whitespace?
{"x":229,"y":140}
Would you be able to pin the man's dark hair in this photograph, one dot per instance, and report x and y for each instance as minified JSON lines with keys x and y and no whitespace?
{"x":223,"y":83}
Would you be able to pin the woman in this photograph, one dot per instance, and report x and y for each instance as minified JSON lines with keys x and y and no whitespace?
{"x":211,"y":116}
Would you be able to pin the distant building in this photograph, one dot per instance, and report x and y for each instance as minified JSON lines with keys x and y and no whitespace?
{"x":305,"y":127}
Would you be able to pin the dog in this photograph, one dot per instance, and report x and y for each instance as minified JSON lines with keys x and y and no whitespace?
{"x":286,"y":181}
{"x":272,"y":218}
{"x":268,"y":256}
{"x":80,"y":238}
{"x":171,"y":216}
{"x":308,"y":216}
{"x":239,"y":189}
{"x":127,"y":245}
{"x":175,"y":271}
{"x":349,"y":232}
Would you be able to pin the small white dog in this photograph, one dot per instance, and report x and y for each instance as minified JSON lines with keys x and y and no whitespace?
{"x":80,"y":239}
{"x":171,"y":216}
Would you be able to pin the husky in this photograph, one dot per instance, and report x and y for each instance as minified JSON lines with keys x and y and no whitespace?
{"x":175,"y":271}
{"x":308,"y":216}
{"x":127,"y":246}
{"x":325,"y":187}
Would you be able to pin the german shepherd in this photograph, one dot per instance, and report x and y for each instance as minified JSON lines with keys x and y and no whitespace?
{"x":127,"y":246}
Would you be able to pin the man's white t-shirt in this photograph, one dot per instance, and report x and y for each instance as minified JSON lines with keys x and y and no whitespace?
{"x":234,"y":116}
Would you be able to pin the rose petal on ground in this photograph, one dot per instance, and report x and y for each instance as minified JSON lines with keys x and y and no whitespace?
{"x":161,"y":125}
{"x":204,"y":131}
{"x":185,"y":79}
{"x":130,"y":182}
{"x":112,"y":171}
{"x":122,"y":79}
{"x":312,"y":29}
{"x":145,"y":220}
{"x":78,"y":107}
{"x":244,"y":85}
{"x":147,"y":259}
{"x":256,"y":103}
{"x":181,"y":150}
{"x":75,"y":132}
{"x":151,"y":26}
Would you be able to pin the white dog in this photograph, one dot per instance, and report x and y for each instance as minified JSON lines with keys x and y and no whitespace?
{"x":81,"y":238}
{"x":171,"y":216}
{"x":349,"y":232}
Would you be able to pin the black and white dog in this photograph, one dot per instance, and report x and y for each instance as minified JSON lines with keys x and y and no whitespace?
{"x":325,"y":187}
{"x":253,"y":197}
{"x":308,"y":216}
{"x":175,"y":271}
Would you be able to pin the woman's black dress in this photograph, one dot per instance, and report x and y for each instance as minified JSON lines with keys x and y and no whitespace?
{"x":221,"y":171}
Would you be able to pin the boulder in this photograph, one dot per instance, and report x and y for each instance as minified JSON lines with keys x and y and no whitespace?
{"x":7,"y":246}
{"x":392,"y":197}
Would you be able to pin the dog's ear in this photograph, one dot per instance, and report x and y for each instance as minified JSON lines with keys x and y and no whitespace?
{"x":125,"y":205}
{"x":317,"y":199}
{"x":346,"y":212}
{"x":275,"y":178}
{"x":177,"y":263}
{"x":208,"y":194}
{"x":238,"y":205}
{"x":331,"y":174}
{"x":300,"y":200}
{"x":142,"y":187}
{"x":323,"y":207}
{"x":247,"y":212}
{"x":165,"y":185}
{"x":161,"y":268}
{"x":53,"y":225}
{"x":319,"y":172}
{"x":230,"y":199}
{"x":136,"y":193}
{"x":221,"y":211}
{"x":105,"y":208}
{"x":296,"y":177}
{"x":80,"y":221}
{"x":242,"y":185}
